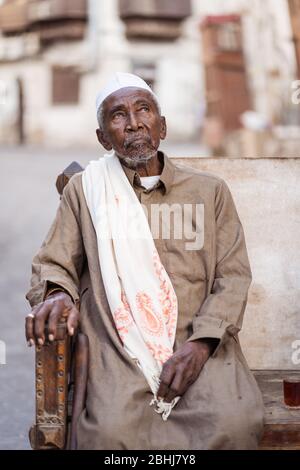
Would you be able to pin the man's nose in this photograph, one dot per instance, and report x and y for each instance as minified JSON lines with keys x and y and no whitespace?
{"x":133,"y":122}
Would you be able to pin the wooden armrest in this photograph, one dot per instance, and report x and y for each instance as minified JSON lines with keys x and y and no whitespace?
{"x":52,"y":362}
{"x":61,"y":381}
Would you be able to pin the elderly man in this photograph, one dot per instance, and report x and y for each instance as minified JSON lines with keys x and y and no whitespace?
{"x":155,"y":253}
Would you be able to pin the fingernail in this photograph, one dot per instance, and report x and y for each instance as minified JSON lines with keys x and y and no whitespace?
{"x":40,"y":341}
{"x":51,"y":337}
{"x":30,"y":343}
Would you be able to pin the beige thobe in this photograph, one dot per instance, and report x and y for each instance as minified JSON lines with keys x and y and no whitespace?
{"x":223,"y":408}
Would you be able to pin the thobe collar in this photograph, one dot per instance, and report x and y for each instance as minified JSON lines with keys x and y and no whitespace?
{"x":166,"y":177}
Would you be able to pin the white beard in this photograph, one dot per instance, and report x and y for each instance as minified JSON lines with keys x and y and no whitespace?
{"x":134,"y":162}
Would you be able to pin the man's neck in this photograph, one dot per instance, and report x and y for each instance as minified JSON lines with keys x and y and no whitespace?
{"x":151,"y":168}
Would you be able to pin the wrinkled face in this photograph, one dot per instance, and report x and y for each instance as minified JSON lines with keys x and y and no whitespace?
{"x":131,"y":125}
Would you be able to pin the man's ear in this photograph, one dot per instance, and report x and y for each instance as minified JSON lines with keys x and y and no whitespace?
{"x":103,"y":140}
{"x":163,"y":128}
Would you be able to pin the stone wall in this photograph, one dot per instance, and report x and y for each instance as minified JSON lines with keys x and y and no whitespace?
{"x":267,"y":196}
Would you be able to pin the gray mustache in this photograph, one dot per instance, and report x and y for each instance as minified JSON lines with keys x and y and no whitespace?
{"x":132,"y":140}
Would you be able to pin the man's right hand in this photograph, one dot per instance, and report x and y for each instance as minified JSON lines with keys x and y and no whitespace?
{"x":57,"y":306}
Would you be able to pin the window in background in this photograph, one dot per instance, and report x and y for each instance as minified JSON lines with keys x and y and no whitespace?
{"x":65,"y":85}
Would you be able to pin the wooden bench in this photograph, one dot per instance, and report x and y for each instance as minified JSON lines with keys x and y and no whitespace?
{"x":282,"y":424}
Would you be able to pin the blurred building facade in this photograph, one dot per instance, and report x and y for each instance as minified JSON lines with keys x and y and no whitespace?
{"x":202,"y":57}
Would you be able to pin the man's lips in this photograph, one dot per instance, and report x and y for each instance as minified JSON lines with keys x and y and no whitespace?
{"x":137,"y":140}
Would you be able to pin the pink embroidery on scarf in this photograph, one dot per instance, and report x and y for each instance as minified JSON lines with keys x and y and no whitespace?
{"x":150,"y":321}
{"x":159,"y":352}
{"x":123,"y":317}
{"x":167,"y":298}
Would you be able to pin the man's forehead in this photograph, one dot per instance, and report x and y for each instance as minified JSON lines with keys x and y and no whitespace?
{"x":125,"y":95}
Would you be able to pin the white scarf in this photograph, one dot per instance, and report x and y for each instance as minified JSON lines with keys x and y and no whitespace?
{"x":139,"y":291}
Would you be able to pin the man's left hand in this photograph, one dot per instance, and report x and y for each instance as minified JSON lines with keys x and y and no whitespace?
{"x":182,"y":369}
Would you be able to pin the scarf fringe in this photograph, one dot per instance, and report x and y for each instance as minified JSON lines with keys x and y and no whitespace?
{"x":162,"y":407}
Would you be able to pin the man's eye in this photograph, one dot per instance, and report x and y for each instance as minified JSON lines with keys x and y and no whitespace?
{"x":118,"y":115}
{"x":144,"y":108}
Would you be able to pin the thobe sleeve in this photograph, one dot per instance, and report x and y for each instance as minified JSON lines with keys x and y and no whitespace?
{"x":60,"y":259}
{"x":221,"y":314}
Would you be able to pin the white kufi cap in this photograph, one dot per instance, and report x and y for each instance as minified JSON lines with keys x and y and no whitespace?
{"x":120,"y":80}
